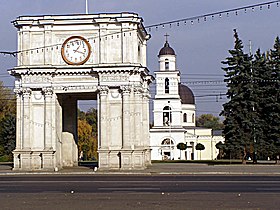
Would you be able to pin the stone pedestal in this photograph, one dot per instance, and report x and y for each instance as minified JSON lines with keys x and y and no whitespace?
{"x":124,"y":159}
{"x":33,"y":160}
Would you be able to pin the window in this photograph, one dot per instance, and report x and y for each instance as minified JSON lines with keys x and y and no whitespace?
{"x":166,"y":85}
{"x":166,"y":64}
{"x":166,"y":146}
{"x":192,"y":118}
{"x":167,"y":142}
{"x":167,"y":116}
{"x":185,"y":117}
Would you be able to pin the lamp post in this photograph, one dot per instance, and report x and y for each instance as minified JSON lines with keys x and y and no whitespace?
{"x":170,"y":139}
{"x":253,"y":109}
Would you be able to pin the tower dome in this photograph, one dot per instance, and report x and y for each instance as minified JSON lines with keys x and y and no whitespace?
{"x":186,"y":95}
{"x":166,"y":50}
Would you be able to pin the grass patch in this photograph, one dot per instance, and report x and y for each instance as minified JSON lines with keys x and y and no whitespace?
{"x":5,"y":158}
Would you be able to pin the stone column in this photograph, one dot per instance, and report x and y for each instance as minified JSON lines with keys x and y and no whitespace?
{"x":146,"y":135}
{"x":126,"y":117}
{"x":131,"y":103}
{"x":19,"y":129}
{"x":138,"y":116}
{"x":26,"y":144}
{"x":23,"y":159}
{"x":48,"y":118}
{"x":19,"y":118}
{"x":145,"y":118}
{"x":103,"y":137}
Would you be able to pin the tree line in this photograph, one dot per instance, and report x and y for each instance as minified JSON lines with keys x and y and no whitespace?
{"x":252,"y":113}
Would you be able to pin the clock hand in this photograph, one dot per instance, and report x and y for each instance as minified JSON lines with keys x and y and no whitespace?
{"x":80,"y":52}
{"x":77,"y":49}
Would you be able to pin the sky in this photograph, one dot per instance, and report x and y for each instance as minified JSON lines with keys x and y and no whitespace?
{"x":200,"y":47}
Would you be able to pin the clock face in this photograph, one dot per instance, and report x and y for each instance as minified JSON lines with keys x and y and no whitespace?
{"x":75,"y":50}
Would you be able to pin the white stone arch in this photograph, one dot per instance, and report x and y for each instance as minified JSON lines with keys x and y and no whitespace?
{"x":48,"y":87}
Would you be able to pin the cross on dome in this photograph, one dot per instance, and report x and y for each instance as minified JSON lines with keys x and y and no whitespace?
{"x":166,"y":36}
{"x":166,"y":50}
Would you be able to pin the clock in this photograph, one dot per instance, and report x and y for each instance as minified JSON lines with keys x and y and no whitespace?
{"x":75,"y":50}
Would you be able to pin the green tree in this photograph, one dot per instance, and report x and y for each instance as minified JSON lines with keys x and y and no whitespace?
{"x":263,"y":146}
{"x":7,"y":99}
{"x":209,"y":121}
{"x":91,"y":117}
{"x":87,"y":141}
{"x":87,"y":133}
{"x":200,"y":147}
{"x":8,"y":135}
{"x":221,"y":147}
{"x":272,"y":99}
{"x":81,"y":115}
{"x":265,"y":76}
{"x":181,"y":146}
{"x":238,"y":111}
{"x":7,"y":121}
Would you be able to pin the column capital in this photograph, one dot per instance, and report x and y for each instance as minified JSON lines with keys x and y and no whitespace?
{"x":104,"y":90}
{"x":47,"y":91}
{"x":146,"y":94}
{"x":138,"y":90}
{"x":125,"y":89}
{"x":26,"y":92}
{"x":18,"y":91}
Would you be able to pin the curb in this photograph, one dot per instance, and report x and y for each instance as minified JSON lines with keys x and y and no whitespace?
{"x":137,"y":173}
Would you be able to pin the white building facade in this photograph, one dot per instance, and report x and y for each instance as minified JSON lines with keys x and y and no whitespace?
{"x":67,"y":58}
{"x":174,"y":115}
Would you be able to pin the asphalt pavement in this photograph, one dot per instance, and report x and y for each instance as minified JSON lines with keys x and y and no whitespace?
{"x":121,"y":192}
{"x":162,"y":169}
{"x":161,"y":186}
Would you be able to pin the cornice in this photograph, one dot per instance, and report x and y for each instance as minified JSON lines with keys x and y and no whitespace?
{"x":77,"y":70}
{"x":77,"y":19}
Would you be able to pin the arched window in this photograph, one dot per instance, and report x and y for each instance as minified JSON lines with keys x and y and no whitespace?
{"x":185,"y":118}
{"x":166,"y":85}
{"x":167,"y":146}
{"x":167,"y":116}
{"x":192,"y":118}
{"x":166,"y":64}
{"x":167,"y":142}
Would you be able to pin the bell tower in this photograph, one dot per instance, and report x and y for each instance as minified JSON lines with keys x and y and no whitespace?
{"x":174,"y":108}
{"x":167,"y":103}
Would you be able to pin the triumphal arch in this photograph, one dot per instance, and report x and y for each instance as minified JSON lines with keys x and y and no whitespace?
{"x":65,"y":58}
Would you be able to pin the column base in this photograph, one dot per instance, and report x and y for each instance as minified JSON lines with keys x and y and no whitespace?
{"x":124,"y":159}
{"x":34,"y":160}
